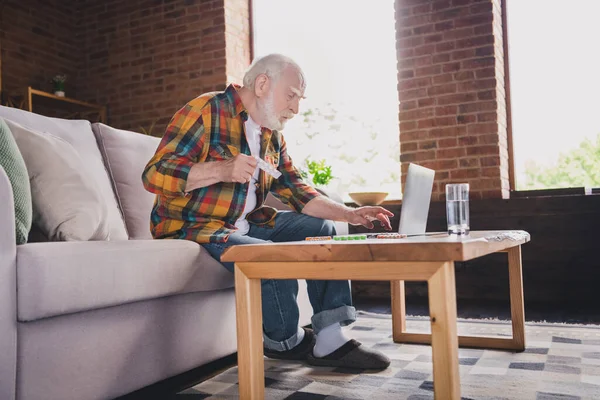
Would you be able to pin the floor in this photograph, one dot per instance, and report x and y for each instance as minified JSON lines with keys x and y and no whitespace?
{"x":466,"y":309}
{"x":488,"y":309}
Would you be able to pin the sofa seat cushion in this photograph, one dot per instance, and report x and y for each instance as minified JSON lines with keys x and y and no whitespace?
{"x":79,"y":134}
{"x":68,"y":277}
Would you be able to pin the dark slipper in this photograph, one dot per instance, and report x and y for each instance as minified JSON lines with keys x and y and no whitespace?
{"x":352,"y":355}
{"x":299,"y":353}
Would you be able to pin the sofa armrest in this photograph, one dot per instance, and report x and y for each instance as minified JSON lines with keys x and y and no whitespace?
{"x":8,"y":290}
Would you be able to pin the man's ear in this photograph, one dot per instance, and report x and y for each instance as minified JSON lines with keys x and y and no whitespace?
{"x":261,"y":85}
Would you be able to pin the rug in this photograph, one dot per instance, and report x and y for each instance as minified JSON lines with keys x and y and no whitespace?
{"x":561,"y":362}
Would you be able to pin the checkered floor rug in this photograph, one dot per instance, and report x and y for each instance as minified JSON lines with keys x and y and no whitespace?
{"x":560,"y":362}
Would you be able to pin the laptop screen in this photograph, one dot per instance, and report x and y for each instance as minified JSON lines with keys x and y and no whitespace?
{"x":415,"y":200}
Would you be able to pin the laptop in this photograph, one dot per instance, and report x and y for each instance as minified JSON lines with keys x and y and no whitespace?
{"x":415,"y":201}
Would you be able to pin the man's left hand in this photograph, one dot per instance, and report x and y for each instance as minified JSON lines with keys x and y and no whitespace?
{"x":366,"y":215}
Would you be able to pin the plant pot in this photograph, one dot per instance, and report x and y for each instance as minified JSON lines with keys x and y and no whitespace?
{"x":59,"y":93}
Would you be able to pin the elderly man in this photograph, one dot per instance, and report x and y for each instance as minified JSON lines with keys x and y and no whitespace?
{"x":210,"y":190}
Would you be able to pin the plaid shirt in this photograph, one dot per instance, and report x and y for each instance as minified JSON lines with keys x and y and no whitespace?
{"x":211,"y":128}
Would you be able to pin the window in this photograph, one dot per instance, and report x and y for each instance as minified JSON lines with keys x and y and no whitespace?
{"x":555,"y":86}
{"x":350,"y":116}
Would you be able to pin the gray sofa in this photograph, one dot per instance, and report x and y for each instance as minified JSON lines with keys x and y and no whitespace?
{"x":99,"y":319}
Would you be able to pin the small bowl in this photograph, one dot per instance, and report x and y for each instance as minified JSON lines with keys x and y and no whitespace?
{"x":368,"y":198}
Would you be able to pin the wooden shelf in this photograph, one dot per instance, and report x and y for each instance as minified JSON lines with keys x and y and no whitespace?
{"x":91,"y":108}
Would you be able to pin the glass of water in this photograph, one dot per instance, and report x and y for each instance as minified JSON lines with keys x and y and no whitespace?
{"x":457,"y":208}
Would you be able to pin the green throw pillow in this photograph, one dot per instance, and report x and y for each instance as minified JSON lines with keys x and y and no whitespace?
{"x":14,"y":166}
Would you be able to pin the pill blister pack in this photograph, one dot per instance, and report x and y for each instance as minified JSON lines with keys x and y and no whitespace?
{"x":268,"y":168}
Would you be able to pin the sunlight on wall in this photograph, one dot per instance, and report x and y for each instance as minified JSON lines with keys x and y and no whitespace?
{"x":555,"y":80}
{"x":350,"y":117}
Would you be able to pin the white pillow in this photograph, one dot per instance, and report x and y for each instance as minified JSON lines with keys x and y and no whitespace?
{"x":67,"y":204}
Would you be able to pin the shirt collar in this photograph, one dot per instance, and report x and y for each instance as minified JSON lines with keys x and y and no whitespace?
{"x":238,"y":105}
{"x":236,"y":101}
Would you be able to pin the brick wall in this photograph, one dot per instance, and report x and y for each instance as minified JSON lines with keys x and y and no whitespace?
{"x":237,"y":36}
{"x":451,"y":89}
{"x":146,"y":59}
{"x":143,"y":58}
{"x":38,"y":41}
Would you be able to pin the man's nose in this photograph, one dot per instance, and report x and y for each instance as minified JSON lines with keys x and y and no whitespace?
{"x":295,"y":106}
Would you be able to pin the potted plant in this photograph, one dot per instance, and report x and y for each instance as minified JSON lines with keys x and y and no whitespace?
{"x":59,"y":85}
{"x":318,"y":172}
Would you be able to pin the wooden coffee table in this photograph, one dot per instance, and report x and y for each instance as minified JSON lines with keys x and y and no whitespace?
{"x":424,"y":258}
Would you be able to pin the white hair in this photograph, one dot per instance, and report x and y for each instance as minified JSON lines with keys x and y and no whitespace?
{"x":273,"y":66}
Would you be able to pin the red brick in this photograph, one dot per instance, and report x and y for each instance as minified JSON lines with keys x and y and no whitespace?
{"x":426,"y":123}
{"x":468,"y":140}
{"x":440,"y":79}
{"x":408,"y":105}
{"x":416,"y":114}
{"x":427,"y":49}
{"x":465,"y":173}
{"x":445,"y":46}
{"x":426,"y":102}
{"x":428,"y":71}
{"x":463,"y":54}
{"x":490,"y":171}
{"x":490,"y":138}
{"x":441,"y":89}
{"x":427,"y":144}
{"x":408,"y":147}
{"x":464,"y":75}
{"x":466,"y":119}
{"x":456,"y":98}
{"x":412,"y":136}
{"x":446,"y":132}
{"x":450,"y":153}
{"x":468,"y":162}
{"x":490,"y":161}
{"x":447,"y":143}
{"x":407,"y":125}
{"x":413,"y":94}
{"x":483,"y":128}
{"x":440,"y":165}
{"x":441,"y":58}
{"x":446,"y":110}
{"x":477,"y":107}
{"x":482,"y":150}
{"x":487,"y":117}
{"x":415,"y":62}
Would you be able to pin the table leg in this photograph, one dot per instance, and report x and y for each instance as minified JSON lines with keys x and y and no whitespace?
{"x":517,"y":309}
{"x":444,"y":340}
{"x":251,"y":364}
{"x":398,"y":309}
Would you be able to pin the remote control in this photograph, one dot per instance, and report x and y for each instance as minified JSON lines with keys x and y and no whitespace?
{"x":268,"y":168}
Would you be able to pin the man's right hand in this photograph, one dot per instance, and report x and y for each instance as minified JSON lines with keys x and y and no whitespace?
{"x":238,"y":169}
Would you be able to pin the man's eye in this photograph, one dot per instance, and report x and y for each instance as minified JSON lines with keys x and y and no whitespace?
{"x":290,"y":96}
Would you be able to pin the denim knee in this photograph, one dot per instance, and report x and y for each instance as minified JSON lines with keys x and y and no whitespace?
{"x":327,"y":228}
{"x":320,"y":227}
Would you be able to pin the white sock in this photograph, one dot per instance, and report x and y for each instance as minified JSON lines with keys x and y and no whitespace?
{"x":329,"y":339}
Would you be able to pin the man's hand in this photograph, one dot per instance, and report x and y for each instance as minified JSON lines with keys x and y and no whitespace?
{"x":238,"y":169}
{"x":366,"y":215}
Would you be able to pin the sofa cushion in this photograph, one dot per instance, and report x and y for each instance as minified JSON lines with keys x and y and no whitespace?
{"x":67,"y":204}
{"x":14,"y":166}
{"x":79,"y":134}
{"x":67,"y":277}
{"x":126,"y":154}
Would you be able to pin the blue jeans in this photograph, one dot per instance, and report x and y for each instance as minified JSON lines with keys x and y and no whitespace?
{"x":331,"y":300}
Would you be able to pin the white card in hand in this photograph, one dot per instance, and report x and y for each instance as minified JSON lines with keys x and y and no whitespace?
{"x":268,"y":168}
